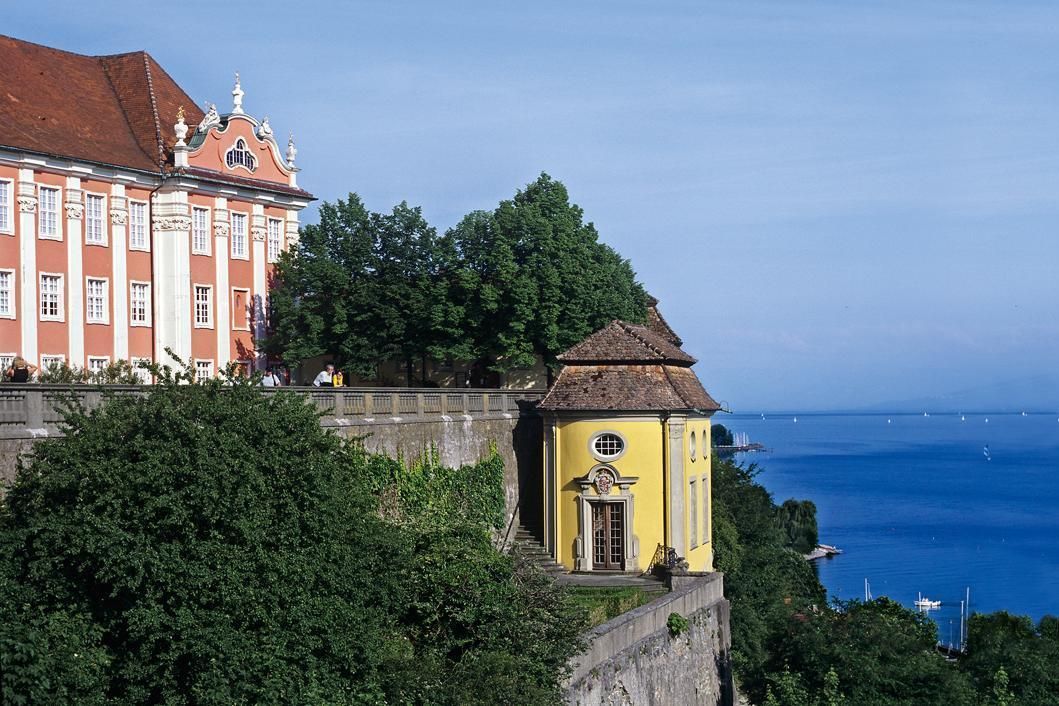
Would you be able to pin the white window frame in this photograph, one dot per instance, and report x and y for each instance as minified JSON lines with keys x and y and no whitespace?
{"x":10,"y":313}
{"x":205,"y":250}
{"x":103,"y":359}
{"x":607,"y":458}
{"x":147,"y":304}
{"x":244,"y":156}
{"x":103,"y":239}
{"x":245,"y":239}
{"x":146,"y":246}
{"x":6,"y":361}
{"x":7,"y":225}
{"x":62,"y":296}
{"x":198,"y":372}
{"x":272,"y":254}
{"x":693,"y":512}
{"x":58,"y":234}
{"x":46,"y":357}
{"x":248,"y":304}
{"x":195,"y":305}
{"x":144,"y":375}
{"x":105,"y":319}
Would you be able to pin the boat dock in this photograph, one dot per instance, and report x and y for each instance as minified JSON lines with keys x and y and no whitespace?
{"x":822,"y":551}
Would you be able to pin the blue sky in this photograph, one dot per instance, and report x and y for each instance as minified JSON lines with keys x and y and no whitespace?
{"x":839,"y":204}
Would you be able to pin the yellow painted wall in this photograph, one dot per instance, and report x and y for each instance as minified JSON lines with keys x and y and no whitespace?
{"x":642,"y":458}
{"x":698,"y":468}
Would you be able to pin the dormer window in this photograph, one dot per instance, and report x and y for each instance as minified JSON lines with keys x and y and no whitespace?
{"x":239,"y":156}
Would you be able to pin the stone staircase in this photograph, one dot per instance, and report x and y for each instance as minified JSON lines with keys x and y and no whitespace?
{"x":528,"y":546}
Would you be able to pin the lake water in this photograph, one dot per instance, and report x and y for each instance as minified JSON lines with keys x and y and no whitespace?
{"x":916,"y":505}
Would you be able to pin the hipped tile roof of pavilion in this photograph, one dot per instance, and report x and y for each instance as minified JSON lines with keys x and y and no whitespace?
{"x":115,"y":110}
{"x":628,"y":367}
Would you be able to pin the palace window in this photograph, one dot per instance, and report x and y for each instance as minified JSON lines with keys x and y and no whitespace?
{"x":692,"y":446}
{"x":138,"y":226}
{"x":200,"y":231}
{"x":7,"y":295}
{"x":240,"y":309}
{"x":48,"y":213}
{"x":6,"y":361}
{"x":239,"y":156}
{"x":139,"y":304}
{"x":97,"y":364}
{"x":203,"y":370}
{"x":693,"y":507}
{"x":203,"y":306}
{"x":96,"y":301}
{"x":607,"y":446}
{"x":274,"y":240}
{"x":47,"y":361}
{"x":239,"y":249}
{"x":142,"y":373}
{"x":95,"y":231}
{"x":51,"y":297}
{"x":6,"y":208}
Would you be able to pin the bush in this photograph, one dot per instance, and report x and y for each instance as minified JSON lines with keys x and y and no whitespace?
{"x":677,"y":624}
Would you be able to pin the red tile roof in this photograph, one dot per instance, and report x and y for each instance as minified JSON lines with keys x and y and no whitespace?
{"x":626,"y":367}
{"x":657,"y":323}
{"x":117,"y":110}
{"x":621,"y":342}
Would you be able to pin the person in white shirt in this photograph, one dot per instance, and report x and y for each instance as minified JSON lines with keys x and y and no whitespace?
{"x":325,"y":378}
{"x":270,"y":379}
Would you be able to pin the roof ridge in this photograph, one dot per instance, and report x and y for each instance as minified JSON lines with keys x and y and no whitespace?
{"x":49,"y":48}
{"x":154,"y":110}
{"x":101,"y":61}
{"x":675,"y":387}
{"x":647,"y":344}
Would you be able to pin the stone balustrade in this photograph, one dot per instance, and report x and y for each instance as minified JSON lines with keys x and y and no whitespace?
{"x":34,"y":410}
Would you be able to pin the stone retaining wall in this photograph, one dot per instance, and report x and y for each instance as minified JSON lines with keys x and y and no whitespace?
{"x":633,"y":659}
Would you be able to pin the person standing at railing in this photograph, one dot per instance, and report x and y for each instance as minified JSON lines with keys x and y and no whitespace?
{"x":325,"y":378}
{"x":20,"y":370}
{"x":270,"y":379}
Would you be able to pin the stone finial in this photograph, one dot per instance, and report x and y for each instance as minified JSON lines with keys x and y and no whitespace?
{"x":237,"y":96}
{"x":181,"y":128}
{"x":264,"y":130}
{"x":292,"y":151}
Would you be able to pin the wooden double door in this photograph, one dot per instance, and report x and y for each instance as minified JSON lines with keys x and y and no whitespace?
{"x":608,"y":536}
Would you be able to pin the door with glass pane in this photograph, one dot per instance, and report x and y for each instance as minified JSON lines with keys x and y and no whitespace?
{"x":608,"y":536}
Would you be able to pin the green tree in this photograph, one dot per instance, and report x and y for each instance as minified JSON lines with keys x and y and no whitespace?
{"x":797,"y":519}
{"x":1029,"y":656}
{"x":534,"y":279}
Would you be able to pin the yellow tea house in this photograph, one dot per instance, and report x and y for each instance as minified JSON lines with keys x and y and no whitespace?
{"x":627,"y":453}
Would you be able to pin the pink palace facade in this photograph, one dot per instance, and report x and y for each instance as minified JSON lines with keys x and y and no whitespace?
{"x":130,"y":220}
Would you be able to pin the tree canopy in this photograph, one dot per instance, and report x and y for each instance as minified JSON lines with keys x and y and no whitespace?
{"x":212,"y":544}
{"x":530,"y":278}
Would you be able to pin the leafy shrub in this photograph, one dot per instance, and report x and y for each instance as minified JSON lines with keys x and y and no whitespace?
{"x":677,"y":624}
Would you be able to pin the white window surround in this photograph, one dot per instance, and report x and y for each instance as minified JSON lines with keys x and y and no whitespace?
{"x":102,"y":316}
{"x":59,"y":280}
{"x":607,"y":445}
{"x":239,"y":155}
{"x":139,"y":292}
{"x":49,"y":207}
{"x":692,"y":446}
{"x":96,"y":363}
{"x":693,"y":512}
{"x":96,"y":221}
{"x":139,"y":227}
{"x":202,"y":301}
{"x":240,"y":235}
{"x":6,"y":361}
{"x":47,"y":359}
{"x":203,"y":369}
{"x":7,"y":295}
{"x":619,"y":492}
{"x":200,"y":230}
{"x":7,"y":207}
{"x":144,"y":375}
{"x":246,"y":306}
{"x":275,"y":239}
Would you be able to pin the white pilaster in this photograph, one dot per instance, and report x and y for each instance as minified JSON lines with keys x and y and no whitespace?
{"x":171,"y":255}
{"x":259,"y":230}
{"x":221,"y":229}
{"x":677,"y":536}
{"x":292,"y":229}
{"x":119,"y":285}
{"x":27,"y":262}
{"x":75,"y":271}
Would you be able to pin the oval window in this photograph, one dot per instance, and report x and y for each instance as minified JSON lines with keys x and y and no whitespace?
{"x":692,"y":447}
{"x":608,"y":446}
